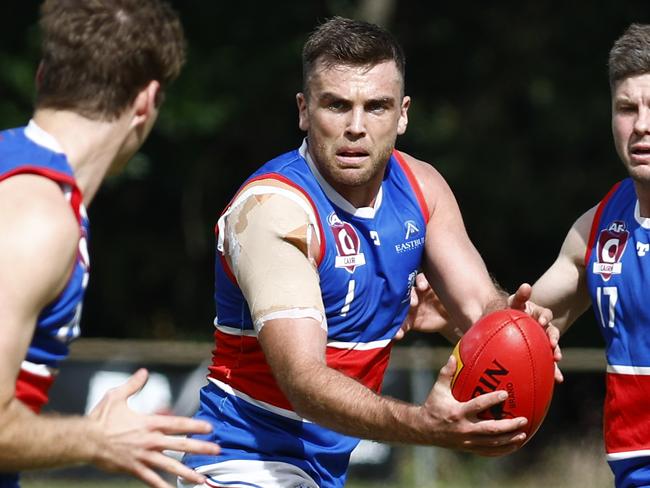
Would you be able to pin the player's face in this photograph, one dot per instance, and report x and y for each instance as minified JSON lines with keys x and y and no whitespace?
{"x":352,"y":115}
{"x":631,"y":125}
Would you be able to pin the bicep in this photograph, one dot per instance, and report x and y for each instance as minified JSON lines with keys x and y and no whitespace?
{"x":295,"y":352}
{"x":293,"y":347}
{"x":563,"y":287}
{"x":269,"y":246}
{"x":38,"y":241}
{"x":453,"y":265}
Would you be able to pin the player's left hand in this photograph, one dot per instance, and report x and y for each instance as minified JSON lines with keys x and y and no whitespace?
{"x":520,"y":300}
{"x":134,"y":443}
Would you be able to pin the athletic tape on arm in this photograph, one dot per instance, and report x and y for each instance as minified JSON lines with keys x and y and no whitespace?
{"x":266,"y":236}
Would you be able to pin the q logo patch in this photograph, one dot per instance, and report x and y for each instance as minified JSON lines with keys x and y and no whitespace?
{"x":348,"y":244}
{"x":610,"y":248}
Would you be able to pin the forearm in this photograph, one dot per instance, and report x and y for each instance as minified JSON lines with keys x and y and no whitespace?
{"x":333,"y":400}
{"x":30,"y":441}
{"x":484,"y":299}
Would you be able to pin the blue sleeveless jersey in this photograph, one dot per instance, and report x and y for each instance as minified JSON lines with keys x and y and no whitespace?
{"x":367,"y":267}
{"x":58,"y":323}
{"x":618,"y":278}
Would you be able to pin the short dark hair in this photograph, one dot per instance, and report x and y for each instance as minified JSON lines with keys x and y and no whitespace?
{"x":349,"y":42}
{"x":98,"y":54}
{"x":630,"y":54}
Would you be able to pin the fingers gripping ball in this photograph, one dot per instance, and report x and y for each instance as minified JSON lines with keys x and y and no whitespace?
{"x":507,"y":350}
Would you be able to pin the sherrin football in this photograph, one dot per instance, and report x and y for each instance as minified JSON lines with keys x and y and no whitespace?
{"x":507,"y":350}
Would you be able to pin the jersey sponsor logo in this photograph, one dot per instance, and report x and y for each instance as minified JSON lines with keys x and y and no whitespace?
{"x":610,"y":248}
{"x":642,"y":248}
{"x":348,"y":244}
{"x":412,"y":237}
{"x":411,"y":229}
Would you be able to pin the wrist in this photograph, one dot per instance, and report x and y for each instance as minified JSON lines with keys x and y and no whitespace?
{"x":94,"y":450}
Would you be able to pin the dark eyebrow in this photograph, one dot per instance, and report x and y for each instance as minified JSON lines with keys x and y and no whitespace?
{"x":384,"y":101}
{"x":330,"y":97}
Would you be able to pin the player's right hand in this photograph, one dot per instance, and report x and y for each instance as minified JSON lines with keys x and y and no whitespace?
{"x":456,"y":425}
{"x":131,"y":442}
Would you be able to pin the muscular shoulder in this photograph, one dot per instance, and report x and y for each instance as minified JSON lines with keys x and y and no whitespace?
{"x":272,"y":186}
{"x":38,"y":235}
{"x":435,"y":189}
{"x":276,"y":210}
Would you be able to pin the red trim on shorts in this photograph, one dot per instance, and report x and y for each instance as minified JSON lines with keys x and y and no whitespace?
{"x":596,"y":222}
{"x":424,"y":208}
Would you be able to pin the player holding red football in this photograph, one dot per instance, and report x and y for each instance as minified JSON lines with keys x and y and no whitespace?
{"x":99,"y":86}
{"x":318,"y":253}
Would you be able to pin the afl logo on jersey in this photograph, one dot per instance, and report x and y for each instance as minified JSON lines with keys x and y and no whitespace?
{"x":348,"y":244}
{"x":610,"y":247}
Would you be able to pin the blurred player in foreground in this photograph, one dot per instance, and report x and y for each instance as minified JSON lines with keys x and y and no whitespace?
{"x":318,"y":253}
{"x":605,"y":261}
{"x":99,"y":86}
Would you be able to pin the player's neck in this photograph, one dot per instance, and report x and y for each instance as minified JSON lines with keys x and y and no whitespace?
{"x":90,"y":146}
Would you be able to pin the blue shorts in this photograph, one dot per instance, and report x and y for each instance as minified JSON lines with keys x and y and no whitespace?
{"x":251,"y":436}
{"x":631,"y":473}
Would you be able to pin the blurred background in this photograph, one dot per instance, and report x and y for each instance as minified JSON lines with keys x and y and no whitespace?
{"x":510,"y":102}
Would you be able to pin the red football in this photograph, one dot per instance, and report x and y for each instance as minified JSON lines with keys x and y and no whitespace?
{"x":507,"y":350}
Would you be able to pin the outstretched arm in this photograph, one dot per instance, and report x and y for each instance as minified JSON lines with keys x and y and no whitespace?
{"x":38,"y":242}
{"x":563,"y":287}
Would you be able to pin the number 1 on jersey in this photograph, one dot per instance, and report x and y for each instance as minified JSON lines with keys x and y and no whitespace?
{"x":348,"y":299}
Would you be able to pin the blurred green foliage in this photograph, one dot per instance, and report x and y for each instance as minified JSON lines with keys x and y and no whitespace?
{"x":510,"y":103}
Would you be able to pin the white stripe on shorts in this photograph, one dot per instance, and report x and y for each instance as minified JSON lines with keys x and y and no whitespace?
{"x":248,"y":473}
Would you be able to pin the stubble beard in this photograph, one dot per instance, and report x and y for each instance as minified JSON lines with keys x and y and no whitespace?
{"x":352,"y":177}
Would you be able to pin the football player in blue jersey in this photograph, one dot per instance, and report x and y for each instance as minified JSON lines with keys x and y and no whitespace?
{"x":318,"y":251}
{"x":604,"y":263}
{"x":105,"y":65}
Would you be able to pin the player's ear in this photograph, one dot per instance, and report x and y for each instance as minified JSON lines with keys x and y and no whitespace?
{"x":38,"y":79}
{"x":146,"y":103}
{"x":403,"y":121}
{"x":303,"y":119}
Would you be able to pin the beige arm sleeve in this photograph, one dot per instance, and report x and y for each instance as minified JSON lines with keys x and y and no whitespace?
{"x":268,"y":238}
